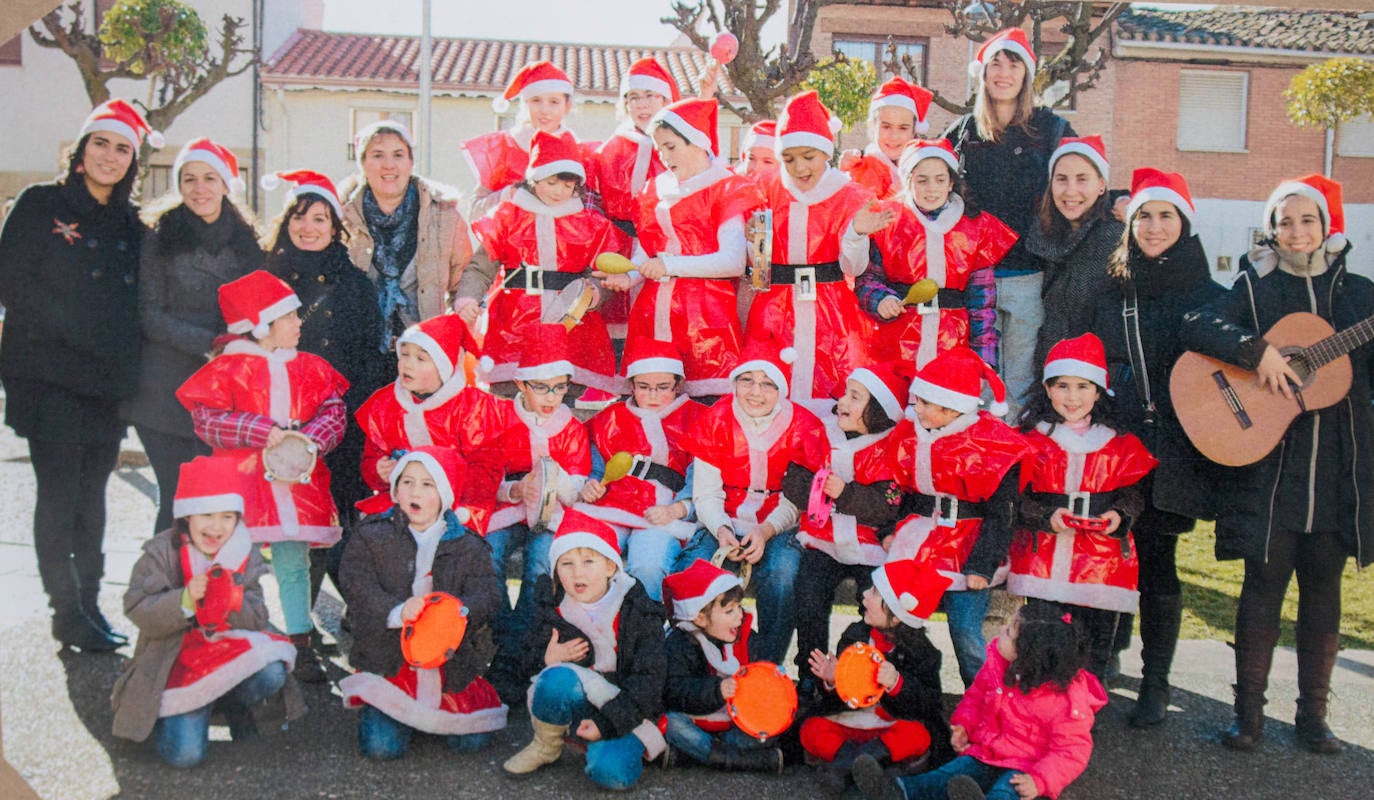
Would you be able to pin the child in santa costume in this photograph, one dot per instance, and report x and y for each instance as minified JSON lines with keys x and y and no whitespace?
{"x":626,"y":162}
{"x":499,"y":159}
{"x":897,"y":113}
{"x":691,"y":230}
{"x":430,"y":404}
{"x":821,"y":223}
{"x":392,"y":563}
{"x":742,"y":447}
{"x":758,"y":160}
{"x":244,"y":401}
{"x":651,"y":506}
{"x":540,"y":244}
{"x":597,"y":646}
{"x":195,"y":596}
{"x":908,"y":721}
{"x":961,"y":468}
{"x":1083,"y":468}
{"x":936,"y":237}
{"x":708,"y":644}
{"x":849,"y":512}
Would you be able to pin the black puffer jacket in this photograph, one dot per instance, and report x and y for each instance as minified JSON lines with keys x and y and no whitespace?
{"x":1075,"y":270}
{"x":1321,"y":476}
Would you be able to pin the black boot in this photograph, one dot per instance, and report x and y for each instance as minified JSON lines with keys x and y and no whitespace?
{"x":1254,"y":656}
{"x":70,"y":625}
{"x":1160,"y":619}
{"x":834,"y":775}
{"x":308,"y":668}
{"x":731,"y":759}
{"x":1316,"y":659}
{"x":89,"y":570}
{"x":874,"y":781}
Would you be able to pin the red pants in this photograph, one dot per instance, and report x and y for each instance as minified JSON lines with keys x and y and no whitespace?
{"x":904,"y":739}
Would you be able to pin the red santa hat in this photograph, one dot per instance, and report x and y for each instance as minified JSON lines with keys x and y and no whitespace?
{"x":579,"y":530}
{"x":910,"y":590}
{"x":806,"y":122}
{"x":545,"y":354}
{"x":304,"y":181}
{"x":1148,"y":183}
{"x":954,"y":379}
{"x":918,"y":150}
{"x":208,"y":485}
{"x":763,"y":355}
{"x":1090,"y":147}
{"x":1011,"y":40}
{"x":694,"y":118}
{"x":686,"y":593}
{"x":648,"y":75}
{"x":220,"y":158}
{"x":444,"y":338}
{"x":901,"y":93}
{"x":252,"y":303}
{"x":887,"y":383}
{"x":1321,"y":190}
{"x":761,"y":134}
{"x":446,"y":469}
{"x":539,"y":77}
{"x":1079,"y":357}
{"x":644,"y":354}
{"x":118,"y":116}
{"x":364,"y":137}
{"x":553,"y":154}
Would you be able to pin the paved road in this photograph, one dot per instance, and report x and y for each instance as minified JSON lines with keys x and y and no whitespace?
{"x":57,"y":717}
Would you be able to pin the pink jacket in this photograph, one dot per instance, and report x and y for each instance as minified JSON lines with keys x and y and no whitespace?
{"x":1046,"y":734}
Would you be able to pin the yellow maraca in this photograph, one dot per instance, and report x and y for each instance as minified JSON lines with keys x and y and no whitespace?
{"x":921,"y":292}
{"x":618,"y":467}
{"x":613,"y":264}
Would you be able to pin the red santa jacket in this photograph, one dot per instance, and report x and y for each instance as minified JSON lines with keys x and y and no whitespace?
{"x":751,"y":467}
{"x":826,"y":326}
{"x":287,"y":386}
{"x":565,"y":239}
{"x":560,"y":437}
{"x":965,"y":462}
{"x":656,"y":437}
{"x":499,"y":158}
{"x":1086,"y":569}
{"x":947,"y":250}
{"x":864,"y":459}
{"x":625,"y":163}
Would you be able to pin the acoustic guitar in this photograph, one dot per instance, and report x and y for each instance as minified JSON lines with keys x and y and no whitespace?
{"x":1233,"y":420}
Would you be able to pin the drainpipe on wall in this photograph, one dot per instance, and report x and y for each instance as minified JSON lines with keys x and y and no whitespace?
{"x":254,"y":167}
{"x":1330,"y":148}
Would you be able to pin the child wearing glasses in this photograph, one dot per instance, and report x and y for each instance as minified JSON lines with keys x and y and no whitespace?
{"x":651,"y":506}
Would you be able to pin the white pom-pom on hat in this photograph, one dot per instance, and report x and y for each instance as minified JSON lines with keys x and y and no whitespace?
{"x":500,"y":104}
{"x":486,"y":363}
{"x":787,"y":355}
{"x":835,"y":124}
{"x":463,"y":515}
{"x":269,"y":181}
{"x":922,"y":126}
{"x":156,"y":140}
{"x":1336,"y":242}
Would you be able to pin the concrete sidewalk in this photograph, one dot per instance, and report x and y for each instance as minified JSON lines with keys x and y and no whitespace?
{"x":57,"y":714}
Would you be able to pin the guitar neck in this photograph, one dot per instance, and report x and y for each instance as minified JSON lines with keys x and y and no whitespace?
{"x":1338,"y":344}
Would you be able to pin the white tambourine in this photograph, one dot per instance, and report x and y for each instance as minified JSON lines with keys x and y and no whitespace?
{"x":291,"y":460}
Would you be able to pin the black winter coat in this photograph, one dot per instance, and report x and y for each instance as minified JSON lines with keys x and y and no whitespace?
{"x":692,"y":686}
{"x":640,"y":663}
{"x":1321,"y":476}
{"x":1008,"y":177}
{"x":1167,"y":287}
{"x":1075,"y":270}
{"x":376,"y":574}
{"x":69,"y":283}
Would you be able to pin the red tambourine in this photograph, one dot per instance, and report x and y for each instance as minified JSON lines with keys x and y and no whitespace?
{"x":433,"y":637}
{"x":819,"y":505}
{"x":856,"y":675}
{"x":1086,"y":524}
{"x":223,"y":596}
{"x":765,"y":701}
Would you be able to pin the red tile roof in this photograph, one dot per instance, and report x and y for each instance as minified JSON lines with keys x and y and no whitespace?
{"x":462,"y":66}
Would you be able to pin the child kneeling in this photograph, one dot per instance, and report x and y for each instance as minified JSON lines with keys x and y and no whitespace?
{"x":708,"y":645}
{"x":195,"y":597}
{"x":392,"y":562}
{"x":599,"y":641}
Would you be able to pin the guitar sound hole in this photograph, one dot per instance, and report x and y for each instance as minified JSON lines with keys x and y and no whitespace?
{"x":1298,"y":362}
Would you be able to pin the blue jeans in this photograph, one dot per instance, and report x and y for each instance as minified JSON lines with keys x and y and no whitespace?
{"x":650,"y":554}
{"x":183,"y":739}
{"x":771,"y":584}
{"x":382,"y":737}
{"x":995,"y":781}
{"x":291,"y":565}
{"x":965,"y":611}
{"x":1020,"y":313}
{"x":503,"y":542}
{"x":684,"y":735}
{"x":559,"y":700}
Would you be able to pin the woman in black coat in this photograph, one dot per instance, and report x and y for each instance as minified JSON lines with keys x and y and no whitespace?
{"x":198,"y":240}
{"x":69,"y":281}
{"x":1160,"y":271}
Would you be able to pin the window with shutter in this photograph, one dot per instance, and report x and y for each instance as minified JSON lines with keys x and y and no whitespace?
{"x":1212,"y":111}
{"x":874,"y":50}
{"x":1356,"y":138}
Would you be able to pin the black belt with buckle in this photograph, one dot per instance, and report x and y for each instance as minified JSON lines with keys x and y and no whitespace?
{"x":548,"y":279}
{"x":948,"y":507}
{"x":1079,"y":504}
{"x":647,"y":470}
{"x":948,"y":298}
{"x":828,"y":272}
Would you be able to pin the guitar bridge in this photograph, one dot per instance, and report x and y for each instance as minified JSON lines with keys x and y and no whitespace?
{"x":1228,"y":393}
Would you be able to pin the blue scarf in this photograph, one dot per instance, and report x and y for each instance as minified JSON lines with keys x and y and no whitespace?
{"x":394,"y":238}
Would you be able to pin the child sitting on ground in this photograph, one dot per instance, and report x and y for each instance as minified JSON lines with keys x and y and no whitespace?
{"x":195,"y":597}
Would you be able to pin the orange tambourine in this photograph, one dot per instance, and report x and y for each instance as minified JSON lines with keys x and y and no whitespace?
{"x":856,"y":675}
{"x":765,"y":701}
{"x":432,"y":637}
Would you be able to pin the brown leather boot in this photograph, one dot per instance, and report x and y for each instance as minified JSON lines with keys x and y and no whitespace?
{"x":1254,"y":657}
{"x":1316,"y":659}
